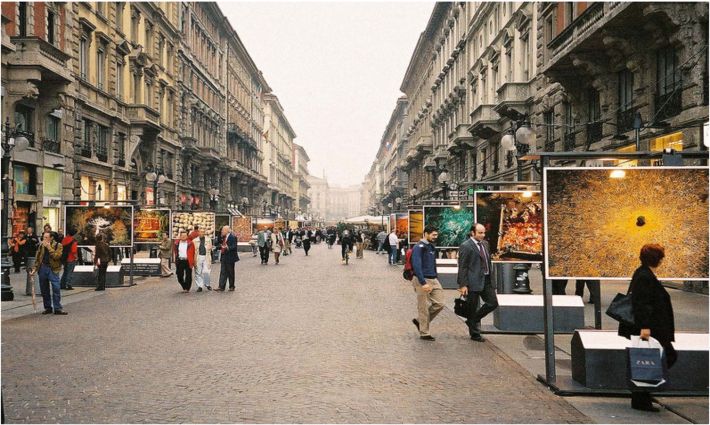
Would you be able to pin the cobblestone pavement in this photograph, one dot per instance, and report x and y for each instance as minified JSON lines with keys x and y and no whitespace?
{"x":309,"y":340}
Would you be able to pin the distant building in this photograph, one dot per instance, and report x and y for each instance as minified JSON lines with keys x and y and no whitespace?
{"x":343,"y":202}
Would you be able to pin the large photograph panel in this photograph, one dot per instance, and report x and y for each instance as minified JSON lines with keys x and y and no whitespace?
{"x":151,"y":225}
{"x":188,"y":220}
{"x":114,"y":222}
{"x":416,"y":226}
{"x":598,"y":219}
{"x":402,"y":225}
{"x":243,"y":227}
{"x":454,"y":224}
{"x":513,"y":221}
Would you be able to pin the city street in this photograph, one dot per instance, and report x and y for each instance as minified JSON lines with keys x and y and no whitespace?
{"x":309,"y":340}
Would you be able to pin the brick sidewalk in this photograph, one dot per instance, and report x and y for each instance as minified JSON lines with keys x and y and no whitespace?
{"x":309,"y":340}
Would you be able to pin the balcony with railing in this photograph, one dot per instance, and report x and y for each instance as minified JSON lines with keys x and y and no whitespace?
{"x":484,"y":122}
{"x":49,"y":145}
{"x":101,"y":153}
{"x":594,"y":132}
{"x":86,"y":151}
{"x":513,"y":95}
{"x":668,"y":105}
{"x":625,"y":120}
{"x":570,"y":141}
{"x":34,"y":52}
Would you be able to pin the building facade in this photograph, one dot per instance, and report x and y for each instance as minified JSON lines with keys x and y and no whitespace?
{"x":158,"y":103}
{"x":300,"y":179}
{"x":343,"y":202}
{"x":318,"y":195}
{"x":578,"y":75}
{"x":278,"y":158}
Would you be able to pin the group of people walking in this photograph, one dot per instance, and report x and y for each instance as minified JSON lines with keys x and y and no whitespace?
{"x":192,"y":253}
{"x":280,"y":242}
{"x":652,"y":309}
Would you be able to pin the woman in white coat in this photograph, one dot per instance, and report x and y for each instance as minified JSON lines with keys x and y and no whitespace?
{"x":203,"y":261}
{"x":277,"y":244}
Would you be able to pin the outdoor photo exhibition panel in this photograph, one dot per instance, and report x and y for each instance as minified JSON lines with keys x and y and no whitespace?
{"x":243,"y":226}
{"x":151,"y":224}
{"x":114,"y":222}
{"x":187,"y":221}
{"x":416,"y":226}
{"x":454,"y":224}
{"x":264,"y":223}
{"x":597,"y":220}
{"x":513,"y":221}
{"x":402,"y":224}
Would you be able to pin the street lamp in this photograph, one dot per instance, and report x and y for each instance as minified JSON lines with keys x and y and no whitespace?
{"x":414,"y":192}
{"x":99,"y":189}
{"x":263,"y":207}
{"x":444,"y":181}
{"x":13,"y":140}
{"x":214,"y":197}
{"x":398,"y":202}
{"x":245,"y":204}
{"x":519,"y":138}
{"x":155,"y":177}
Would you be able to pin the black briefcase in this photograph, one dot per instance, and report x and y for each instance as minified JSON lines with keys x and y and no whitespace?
{"x":461,"y":306}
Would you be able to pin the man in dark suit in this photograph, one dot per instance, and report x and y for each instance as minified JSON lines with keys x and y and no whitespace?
{"x":474,"y":279}
{"x":229,"y":258}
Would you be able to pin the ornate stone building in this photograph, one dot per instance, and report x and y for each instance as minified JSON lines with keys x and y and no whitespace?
{"x":109,"y":92}
{"x":318,"y":195}
{"x":300,"y":179}
{"x":278,"y":157}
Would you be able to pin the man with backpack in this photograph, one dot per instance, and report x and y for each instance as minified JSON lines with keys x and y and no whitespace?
{"x":425,"y":282}
{"x":69,"y":257}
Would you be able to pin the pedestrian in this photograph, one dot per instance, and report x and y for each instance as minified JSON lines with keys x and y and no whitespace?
{"x":430,"y":294}
{"x":203,"y":261}
{"x":48,"y":265}
{"x":381,"y":241}
{"x":194,"y":233}
{"x":17,"y":248}
{"x":277,"y":244}
{"x":346,"y":244}
{"x":184,"y":252}
{"x":252,"y":244}
{"x":592,"y":286}
{"x":263,"y":243}
{"x":653,"y":316}
{"x":166,"y":249}
{"x":229,"y":258}
{"x":306,"y":235}
{"x":394,"y":243}
{"x":47,"y":228}
{"x":474,"y":279}
{"x":360,"y":243}
{"x":102,"y":258}
{"x":70,"y":255}
{"x":30,"y":253}
{"x":287,"y":242}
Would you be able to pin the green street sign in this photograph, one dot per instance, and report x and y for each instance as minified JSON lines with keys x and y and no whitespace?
{"x":470,"y":191}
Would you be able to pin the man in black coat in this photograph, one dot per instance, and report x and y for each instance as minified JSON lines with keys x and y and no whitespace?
{"x":228,"y":260}
{"x":474,"y":279}
{"x":653,"y":315}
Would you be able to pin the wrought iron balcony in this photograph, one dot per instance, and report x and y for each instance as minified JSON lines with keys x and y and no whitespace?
{"x":668,"y":105}
{"x":49,"y":145}
{"x":625,"y":120}
{"x":570,"y":141}
{"x":86,"y":151}
{"x":594,"y":132}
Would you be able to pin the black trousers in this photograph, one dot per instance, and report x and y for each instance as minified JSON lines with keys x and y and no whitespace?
{"x":476,"y":310}
{"x":559,"y":286}
{"x":264,"y":251}
{"x":306,"y":245}
{"x":17,"y":260}
{"x":592,"y":285}
{"x":226,"y":271}
{"x":184,"y":274}
{"x":101,"y":278}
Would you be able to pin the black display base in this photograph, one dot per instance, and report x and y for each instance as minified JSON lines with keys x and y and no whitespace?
{"x":83,"y":276}
{"x":524,"y":313}
{"x":565,"y":386}
{"x":142,"y":266}
{"x":599,"y":361}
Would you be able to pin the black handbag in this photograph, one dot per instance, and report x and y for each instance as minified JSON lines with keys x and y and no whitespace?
{"x":622,"y":310}
{"x":461,"y":306}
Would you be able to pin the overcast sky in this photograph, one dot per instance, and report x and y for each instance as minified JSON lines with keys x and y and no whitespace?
{"x":336,"y":68}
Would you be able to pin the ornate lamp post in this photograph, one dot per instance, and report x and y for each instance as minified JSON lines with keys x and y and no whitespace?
{"x":214,"y":198}
{"x":13,"y":140}
{"x":444,"y":181}
{"x":245,"y":204}
{"x":155,"y":177}
{"x":519,"y":138}
{"x":398,"y":202}
{"x":413,"y":193}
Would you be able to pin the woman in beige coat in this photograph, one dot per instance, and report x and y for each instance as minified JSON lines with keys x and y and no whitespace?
{"x":203,"y":261}
{"x":277,"y":244}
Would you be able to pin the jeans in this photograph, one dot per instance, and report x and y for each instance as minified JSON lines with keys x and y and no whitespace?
{"x":66,"y":276}
{"x":380,"y":244}
{"x":393,"y":256}
{"x":46,"y":278}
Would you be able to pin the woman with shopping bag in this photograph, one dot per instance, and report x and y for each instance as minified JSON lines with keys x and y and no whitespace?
{"x":653,"y":317}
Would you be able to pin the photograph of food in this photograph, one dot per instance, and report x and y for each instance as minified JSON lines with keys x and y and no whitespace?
{"x":416,"y":226}
{"x":454,"y":224}
{"x":599,"y":218}
{"x":187,"y":221}
{"x":114,"y":222}
{"x":150,"y":225}
{"x":243,"y":227}
{"x":513,"y":221}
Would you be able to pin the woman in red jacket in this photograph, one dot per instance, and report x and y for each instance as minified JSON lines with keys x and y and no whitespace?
{"x":184,"y":256}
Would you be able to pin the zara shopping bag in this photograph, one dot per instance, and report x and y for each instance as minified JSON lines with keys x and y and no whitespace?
{"x":646,"y":366}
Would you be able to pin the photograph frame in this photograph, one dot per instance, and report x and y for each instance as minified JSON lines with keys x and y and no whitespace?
{"x":546,"y":233}
{"x":476,"y":220}
{"x":110,"y":206}
{"x":170,"y":224}
{"x":409,"y":225}
{"x":449,"y":206}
